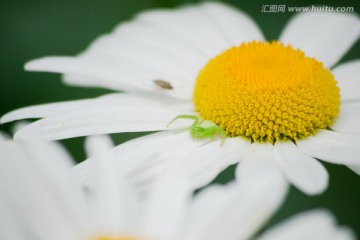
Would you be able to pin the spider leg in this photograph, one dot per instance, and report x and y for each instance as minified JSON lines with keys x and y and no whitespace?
{"x":195,"y":118}
{"x":177,"y":131}
{"x":218,"y":132}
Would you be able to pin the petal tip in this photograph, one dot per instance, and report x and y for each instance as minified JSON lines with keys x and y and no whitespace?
{"x":6,"y":118}
{"x":3,"y":120}
{"x":50,"y":64}
{"x":19,"y":136}
{"x":32,"y":65}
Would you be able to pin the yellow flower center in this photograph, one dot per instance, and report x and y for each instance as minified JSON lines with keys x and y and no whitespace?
{"x":267,"y":91}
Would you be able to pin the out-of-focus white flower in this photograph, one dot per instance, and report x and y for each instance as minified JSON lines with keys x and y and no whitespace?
{"x":210,"y":60}
{"x":41,"y":200}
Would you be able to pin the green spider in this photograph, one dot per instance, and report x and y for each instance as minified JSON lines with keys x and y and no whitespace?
{"x":203,"y":129}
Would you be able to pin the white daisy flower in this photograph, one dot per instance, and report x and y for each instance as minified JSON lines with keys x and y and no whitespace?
{"x":277,"y":103}
{"x":40,"y":200}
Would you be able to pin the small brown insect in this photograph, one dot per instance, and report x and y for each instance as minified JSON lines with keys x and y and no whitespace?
{"x":163,"y":84}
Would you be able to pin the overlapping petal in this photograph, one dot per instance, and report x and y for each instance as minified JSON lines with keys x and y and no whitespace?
{"x":326,"y":36}
{"x":332,"y":147}
{"x":349,"y":118}
{"x":315,"y":224}
{"x":348,"y":77}
{"x":303,"y":171}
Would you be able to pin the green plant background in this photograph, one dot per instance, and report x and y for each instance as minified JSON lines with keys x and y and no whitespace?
{"x":35,"y":28}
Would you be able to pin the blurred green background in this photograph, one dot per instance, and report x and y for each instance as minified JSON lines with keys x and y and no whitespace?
{"x":35,"y":28}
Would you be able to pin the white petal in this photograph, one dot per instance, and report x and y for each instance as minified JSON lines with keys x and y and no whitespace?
{"x":85,"y":169}
{"x":137,"y":46}
{"x":236,"y":206}
{"x":332,"y":147}
{"x":201,"y":160}
{"x":166,"y":208}
{"x":258,"y":162}
{"x":236,"y":25}
{"x":315,"y":224}
{"x":305,"y":172}
{"x":355,"y":168}
{"x":210,"y":205}
{"x":326,"y":36}
{"x":173,"y":153}
{"x":203,"y":164}
{"x":136,"y":33}
{"x":52,"y":163}
{"x":113,"y":79}
{"x":132,"y":55}
{"x":126,"y":100}
{"x":147,"y":52}
{"x":96,"y":145}
{"x":115,"y":202}
{"x":37,"y":204}
{"x":46,"y":110}
{"x":349,"y":119}
{"x":258,"y":167}
{"x":190,"y":24}
{"x":344,"y":233}
{"x":109,"y":119}
{"x":347,"y":75}
{"x":156,"y":154}
{"x":348,"y":78}
{"x":86,"y":81}
{"x":146,"y":158}
{"x":10,"y":227}
{"x":109,"y":74}
{"x":112,"y":196}
{"x":142,"y":67}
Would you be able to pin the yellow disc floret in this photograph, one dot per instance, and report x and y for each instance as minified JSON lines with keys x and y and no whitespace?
{"x":267,"y":91}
